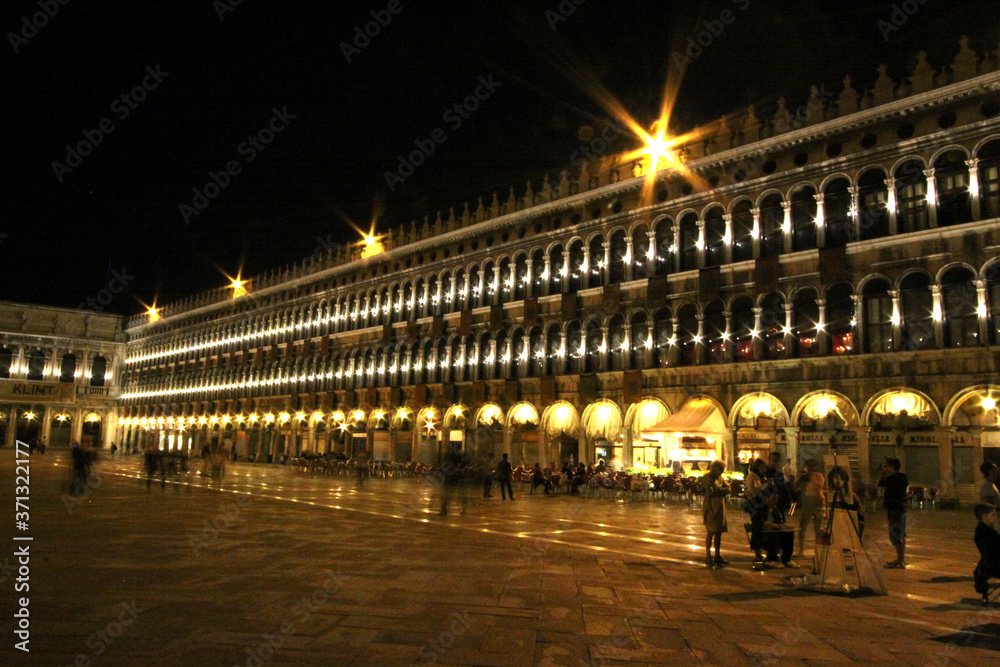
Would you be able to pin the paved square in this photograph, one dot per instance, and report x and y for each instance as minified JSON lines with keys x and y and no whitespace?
{"x":273,"y":566}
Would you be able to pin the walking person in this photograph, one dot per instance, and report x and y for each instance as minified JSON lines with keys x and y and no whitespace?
{"x":895,"y":484}
{"x":504,"y":474}
{"x":114,"y":448}
{"x":988,"y":493}
{"x":714,"y":512}
{"x":811,"y":485}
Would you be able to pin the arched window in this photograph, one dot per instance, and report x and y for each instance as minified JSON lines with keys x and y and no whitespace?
{"x":772,"y":326}
{"x":617,"y":339}
{"x":537,"y":269}
{"x":576,"y":350}
{"x":664,"y":243}
{"x":640,"y":253}
{"x":596,"y":261}
{"x":506,"y":278}
{"x":67,"y":370}
{"x":840,"y":318}
{"x":873,"y":197}
{"x":558,"y":271}
{"x":577,"y":265}
{"x":917,"y":304}
{"x":911,"y":197}
{"x":742,"y":231}
{"x":98,"y":369}
{"x":989,"y":179}
{"x":619,"y":249}
{"x":640,"y":341}
{"x":715,"y":237}
{"x":805,"y":312}
{"x":772,"y":217}
{"x":952,"y":177}
{"x":664,"y":334}
{"x":36,"y":366}
{"x":553,"y":348}
{"x":594,"y":338}
{"x":714,"y":328}
{"x":689,"y":242}
{"x":741,"y":331}
{"x":837,"y":213}
{"x":433,"y":297}
{"x":804,"y":218}
{"x":877,"y":316}
{"x":992,"y":276}
{"x":961,"y":322}
{"x":687,"y":331}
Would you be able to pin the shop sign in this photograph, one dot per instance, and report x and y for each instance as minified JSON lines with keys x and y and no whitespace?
{"x":37,"y":392}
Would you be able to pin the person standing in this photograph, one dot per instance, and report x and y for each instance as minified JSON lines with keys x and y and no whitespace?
{"x":811,"y":485}
{"x":895,"y":484}
{"x":714,"y":512}
{"x":988,"y":493}
{"x":775,"y":474}
{"x":504,"y":475}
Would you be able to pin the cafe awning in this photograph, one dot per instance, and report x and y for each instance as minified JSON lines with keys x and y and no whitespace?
{"x":699,"y":417}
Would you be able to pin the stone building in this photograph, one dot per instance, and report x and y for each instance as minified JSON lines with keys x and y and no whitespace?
{"x":58,"y":375}
{"x":811,"y":278}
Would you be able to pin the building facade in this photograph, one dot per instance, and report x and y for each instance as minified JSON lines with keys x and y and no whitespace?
{"x":824,"y":278}
{"x":58,"y":375}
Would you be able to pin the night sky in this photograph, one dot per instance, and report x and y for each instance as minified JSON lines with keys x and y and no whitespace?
{"x":211,"y":83}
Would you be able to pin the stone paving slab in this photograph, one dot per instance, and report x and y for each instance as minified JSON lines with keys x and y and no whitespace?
{"x":312,"y":569}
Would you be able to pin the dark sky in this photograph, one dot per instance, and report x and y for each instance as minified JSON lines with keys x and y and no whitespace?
{"x":119,"y":207}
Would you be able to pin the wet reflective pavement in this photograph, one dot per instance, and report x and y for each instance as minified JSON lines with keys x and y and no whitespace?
{"x":274,"y":566}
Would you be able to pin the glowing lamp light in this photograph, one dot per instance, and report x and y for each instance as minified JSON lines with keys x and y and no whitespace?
{"x":226,"y":419}
{"x":338,"y":416}
{"x":284,"y":417}
{"x":153,"y":313}
{"x":358,"y":415}
{"x":301,"y":416}
{"x":989,"y":403}
{"x":253,"y":418}
{"x":239,"y":287}
{"x":649,"y":343}
{"x":213,"y":419}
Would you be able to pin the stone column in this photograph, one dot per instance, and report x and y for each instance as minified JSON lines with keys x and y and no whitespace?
{"x":435,"y":304}
{"x":897,"y":321}
{"x":859,"y":329}
{"x":792,"y":445}
{"x":76,"y":426}
{"x":606,"y":273}
{"x":651,"y":255}
{"x":676,"y":247}
{"x":757,"y":337}
{"x":820,"y":221}
{"x":425,"y":308}
{"x":546,"y":286}
{"x":855,"y":213}
{"x":931,"y":198}
{"x":822,"y":336}
{"x":629,"y":259}
{"x":864,"y":454}
{"x":786,"y":226}
{"x":529,"y":288}
{"x":480,"y":288}
{"x":673,"y":354}
{"x":562,"y":358}
{"x":755,"y":232}
{"x":789,"y":338}
{"x":973,"y":166}
{"x":11,"y":436}
{"x":604,"y":349}
{"x":946,"y":461}
{"x":728,"y":345}
{"x":700,"y":349}
{"x":938,"y":316}
{"x":890,"y":202}
{"x":47,"y":424}
{"x":701,"y":244}
{"x":727,"y":240}
{"x":982,"y":310}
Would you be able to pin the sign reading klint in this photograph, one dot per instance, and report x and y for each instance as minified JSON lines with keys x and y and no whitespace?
{"x":37,"y":392}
